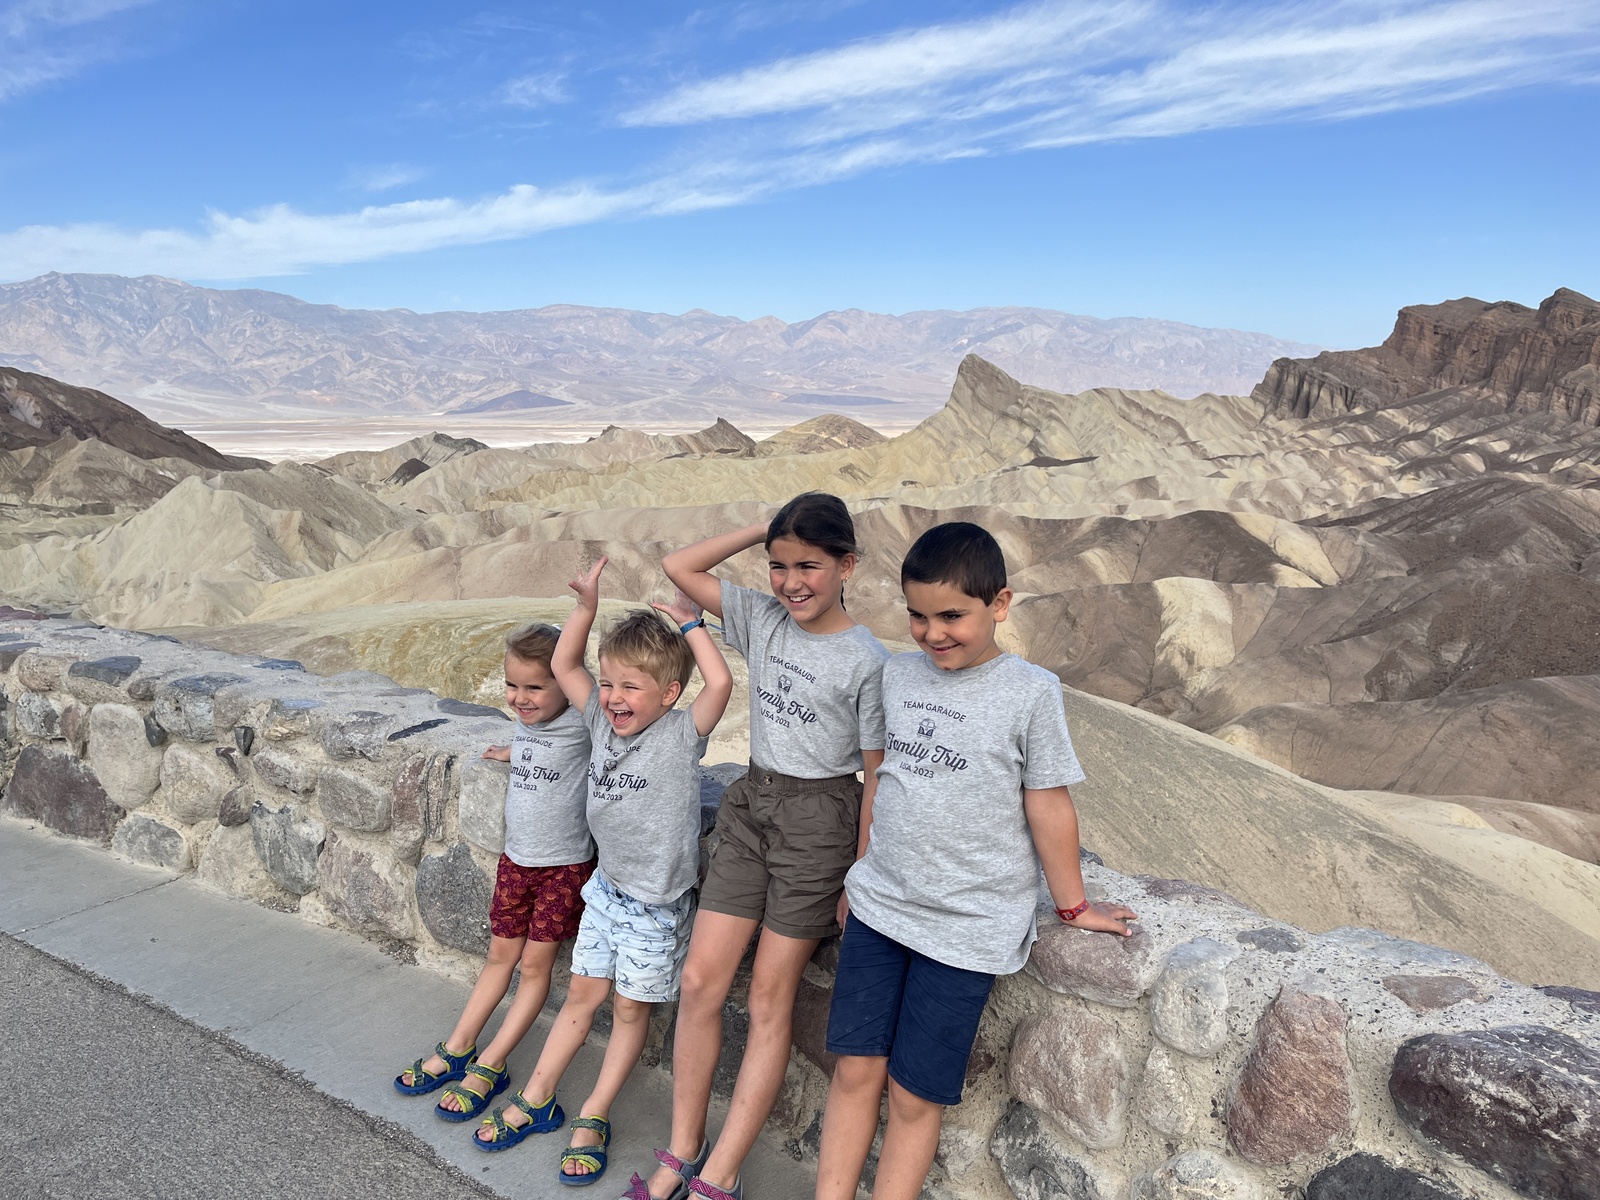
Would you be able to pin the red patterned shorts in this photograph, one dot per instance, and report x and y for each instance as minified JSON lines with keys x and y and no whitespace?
{"x":541,"y":904}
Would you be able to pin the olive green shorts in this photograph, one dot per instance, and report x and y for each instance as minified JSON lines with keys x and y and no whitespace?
{"x":781,"y":851}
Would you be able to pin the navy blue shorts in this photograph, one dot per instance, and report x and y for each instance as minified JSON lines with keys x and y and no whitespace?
{"x":891,"y":1002}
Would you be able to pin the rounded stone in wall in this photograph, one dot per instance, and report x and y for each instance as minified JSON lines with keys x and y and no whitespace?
{"x":1295,"y":1095}
{"x":1034,"y":1162}
{"x":144,"y":839}
{"x":1189,"y":1002}
{"x":1163,"y":1099}
{"x":120,"y":753}
{"x":193,"y":782}
{"x":288,"y":841}
{"x":453,"y":895}
{"x":1521,"y":1103}
{"x":367,"y":888}
{"x":1368,"y":1177}
{"x":1071,"y":1064}
{"x":1195,"y":1175}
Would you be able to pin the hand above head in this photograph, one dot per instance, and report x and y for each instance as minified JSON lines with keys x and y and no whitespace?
{"x":681,"y":610}
{"x":588,"y":588}
{"x":498,"y":753}
{"x":1105,"y":918}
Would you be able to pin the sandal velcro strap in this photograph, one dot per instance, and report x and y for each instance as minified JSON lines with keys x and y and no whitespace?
{"x":638,"y":1189}
{"x":456,"y":1060}
{"x":503,"y":1130}
{"x":670,"y":1161}
{"x":599,"y":1124}
{"x":488,"y":1074}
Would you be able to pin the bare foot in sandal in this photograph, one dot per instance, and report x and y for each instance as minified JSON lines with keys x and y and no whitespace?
{"x":582,"y":1139}
{"x":476,"y":1084}
{"x":511,"y":1115}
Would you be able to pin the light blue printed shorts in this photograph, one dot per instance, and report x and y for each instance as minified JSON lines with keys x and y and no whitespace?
{"x":641,"y":946}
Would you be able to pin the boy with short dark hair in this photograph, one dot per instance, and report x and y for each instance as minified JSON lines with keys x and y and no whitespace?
{"x":971,"y":801}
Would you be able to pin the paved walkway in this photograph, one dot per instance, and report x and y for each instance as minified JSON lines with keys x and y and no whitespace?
{"x":326,"y":1005}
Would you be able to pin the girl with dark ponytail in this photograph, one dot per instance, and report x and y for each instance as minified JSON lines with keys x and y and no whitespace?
{"x":788,"y":831}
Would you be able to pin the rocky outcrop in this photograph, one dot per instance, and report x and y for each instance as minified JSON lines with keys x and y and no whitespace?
{"x":36,"y":410}
{"x":1544,"y":360}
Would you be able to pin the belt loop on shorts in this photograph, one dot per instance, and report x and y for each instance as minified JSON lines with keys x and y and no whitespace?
{"x":790,"y":785}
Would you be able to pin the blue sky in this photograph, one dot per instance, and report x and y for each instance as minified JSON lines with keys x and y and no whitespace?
{"x":1302,"y":169}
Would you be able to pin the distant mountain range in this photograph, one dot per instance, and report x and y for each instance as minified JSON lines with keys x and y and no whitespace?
{"x":190,"y":355}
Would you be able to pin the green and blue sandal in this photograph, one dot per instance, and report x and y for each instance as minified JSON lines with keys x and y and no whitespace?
{"x":426,"y":1081}
{"x":472,"y":1103}
{"x":593,"y":1157}
{"x":503,"y":1134}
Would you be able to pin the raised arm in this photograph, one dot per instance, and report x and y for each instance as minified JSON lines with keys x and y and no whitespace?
{"x":1053,"y":821}
{"x":690,"y":568}
{"x":712,"y":701}
{"x":566,"y":662}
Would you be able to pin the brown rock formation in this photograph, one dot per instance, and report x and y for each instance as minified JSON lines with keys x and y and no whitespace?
{"x":36,"y":410}
{"x":1544,"y":360}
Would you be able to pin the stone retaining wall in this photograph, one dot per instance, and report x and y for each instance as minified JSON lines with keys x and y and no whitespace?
{"x":1217,"y":1053}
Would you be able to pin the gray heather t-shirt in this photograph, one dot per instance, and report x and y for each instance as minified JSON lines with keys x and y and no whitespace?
{"x":546,"y":824}
{"x":950,"y":868}
{"x":816,"y":700}
{"x":644,"y":803}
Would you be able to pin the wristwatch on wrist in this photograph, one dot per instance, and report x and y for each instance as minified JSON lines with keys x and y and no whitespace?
{"x":697,"y":623}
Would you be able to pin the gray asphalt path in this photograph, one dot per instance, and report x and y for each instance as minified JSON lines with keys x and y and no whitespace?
{"x":109,"y":1095}
{"x":300,"y":1000}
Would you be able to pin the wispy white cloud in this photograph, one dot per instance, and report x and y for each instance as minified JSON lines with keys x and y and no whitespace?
{"x":1051,"y":73}
{"x":535,"y":91}
{"x":383,"y":177}
{"x":918,"y":59}
{"x":283,"y":241}
{"x":1044,"y":74}
{"x":42,"y":41}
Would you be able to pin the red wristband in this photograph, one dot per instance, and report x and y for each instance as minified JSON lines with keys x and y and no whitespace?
{"x":1069,"y":915}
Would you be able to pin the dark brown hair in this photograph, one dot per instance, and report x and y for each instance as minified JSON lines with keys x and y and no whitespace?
{"x":818,"y":519}
{"x":961,"y":554}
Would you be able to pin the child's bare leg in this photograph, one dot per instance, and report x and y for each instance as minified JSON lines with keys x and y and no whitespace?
{"x":585,"y":995}
{"x":537,"y":960}
{"x":909,"y":1144}
{"x":630,"y":1025}
{"x":849,"y":1123}
{"x":486,"y":995}
{"x":715,"y":948}
{"x":779,"y":963}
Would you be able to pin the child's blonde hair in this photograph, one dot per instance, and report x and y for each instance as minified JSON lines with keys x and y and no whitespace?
{"x":533,"y":643}
{"x":644,"y":640}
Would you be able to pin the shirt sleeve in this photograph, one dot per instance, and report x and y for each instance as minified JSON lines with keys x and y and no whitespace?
{"x":692,"y":737}
{"x":1048,"y":759}
{"x":869,"y":708}
{"x":737,"y":603}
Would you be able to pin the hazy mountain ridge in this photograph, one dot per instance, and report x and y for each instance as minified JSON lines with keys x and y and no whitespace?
{"x":188,"y":353}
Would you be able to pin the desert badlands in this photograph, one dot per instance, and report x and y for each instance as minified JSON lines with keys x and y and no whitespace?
{"x":1332,"y":648}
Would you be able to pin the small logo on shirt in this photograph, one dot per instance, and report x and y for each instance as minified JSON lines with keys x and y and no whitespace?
{"x":785,"y":684}
{"x":925,"y":728}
